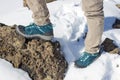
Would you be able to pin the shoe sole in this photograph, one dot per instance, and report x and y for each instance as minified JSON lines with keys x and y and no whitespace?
{"x":33,"y":36}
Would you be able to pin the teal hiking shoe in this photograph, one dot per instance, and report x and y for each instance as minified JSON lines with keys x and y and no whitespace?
{"x":34,"y":31}
{"x":86,"y":59}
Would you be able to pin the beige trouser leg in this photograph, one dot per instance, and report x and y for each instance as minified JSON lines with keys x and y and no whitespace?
{"x":95,"y":18}
{"x":40,"y":11}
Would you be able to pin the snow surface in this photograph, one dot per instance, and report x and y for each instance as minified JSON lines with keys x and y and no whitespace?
{"x":69,"y":28}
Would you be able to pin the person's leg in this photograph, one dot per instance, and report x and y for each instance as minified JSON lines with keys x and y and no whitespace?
{"x":95,"y":18}
{"x":42,"y":26}
{"x":40,"y":11}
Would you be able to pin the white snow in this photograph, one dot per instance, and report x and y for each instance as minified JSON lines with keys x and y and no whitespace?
{"x":69,"y":28}
{"x":8,"y":72}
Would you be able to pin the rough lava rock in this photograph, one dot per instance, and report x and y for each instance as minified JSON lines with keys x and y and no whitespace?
{"x":116,"y":25}
{"x":118,"y":5}
{"x":110,"y":47}
{"x":41,"y":59}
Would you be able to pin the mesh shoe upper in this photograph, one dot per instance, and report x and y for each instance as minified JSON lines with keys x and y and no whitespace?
{"x":86,"y":59}
{"x":33,"y":30}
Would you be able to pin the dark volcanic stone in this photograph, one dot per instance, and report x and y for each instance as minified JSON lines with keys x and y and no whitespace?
{"x":110,"y":47}
{"x":118,"y":5}
{"x":41,"y":59}
{"x":117,"y":24}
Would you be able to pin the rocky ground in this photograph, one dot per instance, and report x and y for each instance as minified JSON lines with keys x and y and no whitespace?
{"x":118,"y":5}
{"x":41,"y":59}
